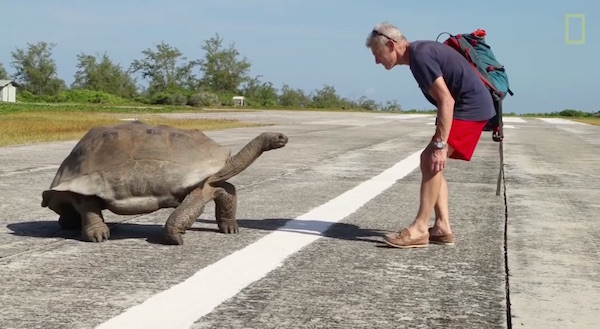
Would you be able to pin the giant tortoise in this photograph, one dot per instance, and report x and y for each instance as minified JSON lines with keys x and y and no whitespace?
{"x":135,"y":168}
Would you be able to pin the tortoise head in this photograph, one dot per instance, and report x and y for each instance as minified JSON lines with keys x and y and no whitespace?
{"x":273,"y":140}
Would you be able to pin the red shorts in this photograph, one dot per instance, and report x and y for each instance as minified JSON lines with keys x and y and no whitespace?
{"x":463,"y":138}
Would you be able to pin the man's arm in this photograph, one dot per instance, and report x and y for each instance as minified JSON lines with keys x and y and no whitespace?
{"x":445,"y":102}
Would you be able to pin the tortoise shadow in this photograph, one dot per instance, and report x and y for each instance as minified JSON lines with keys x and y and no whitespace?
{"x":118,"y":231}
{"x":153,"y":232}
{"x":341,"y":231}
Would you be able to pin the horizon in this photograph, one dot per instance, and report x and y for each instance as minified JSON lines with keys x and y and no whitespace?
{"x":311,"y":44}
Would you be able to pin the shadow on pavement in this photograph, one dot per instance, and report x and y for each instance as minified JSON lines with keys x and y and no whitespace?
{"x":153,"y":232}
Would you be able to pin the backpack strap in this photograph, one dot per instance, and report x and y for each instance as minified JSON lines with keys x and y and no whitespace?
{"x":450,"y":36}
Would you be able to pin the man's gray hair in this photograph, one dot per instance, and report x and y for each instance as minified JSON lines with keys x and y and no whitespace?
{"x":382,"y":32}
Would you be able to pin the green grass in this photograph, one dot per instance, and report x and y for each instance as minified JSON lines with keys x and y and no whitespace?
{"x":589,"y":120}
{"x":34,"y":123}
{"x":142,"y":108}
{"x":6,"y":108}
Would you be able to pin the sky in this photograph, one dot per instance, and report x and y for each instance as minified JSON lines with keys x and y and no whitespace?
{"x":308,"y":44}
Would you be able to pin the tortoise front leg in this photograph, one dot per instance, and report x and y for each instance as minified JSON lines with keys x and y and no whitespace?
{"x":226,"y":207}
{"x":184,"y":215}
{"x":93,"y":228}
{"x":69,"y":217}
{"x":191,"y":221}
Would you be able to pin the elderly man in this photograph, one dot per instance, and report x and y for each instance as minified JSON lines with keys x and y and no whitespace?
{"x":464,"y":105}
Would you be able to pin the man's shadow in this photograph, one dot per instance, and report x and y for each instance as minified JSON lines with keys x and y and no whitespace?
{"x":153,"y":232}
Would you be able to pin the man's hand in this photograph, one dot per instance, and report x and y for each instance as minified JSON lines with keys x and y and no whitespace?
{"x":437,"y":159}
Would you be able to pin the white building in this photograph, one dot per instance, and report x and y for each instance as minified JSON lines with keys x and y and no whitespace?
{"x":238,"y":100}
{"x":8,"y":91}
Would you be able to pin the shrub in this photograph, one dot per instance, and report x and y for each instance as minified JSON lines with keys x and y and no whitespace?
{"x":72,"y":96}
{"x":86,"y":96}
{"x":177,"y":99}
{"x":204,"y":98}
{"x":26,"y":96}
{"x":573,"y":113}
{"x":159,"y":98}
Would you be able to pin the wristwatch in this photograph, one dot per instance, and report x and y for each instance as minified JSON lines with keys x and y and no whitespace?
{"x":439,"y":144}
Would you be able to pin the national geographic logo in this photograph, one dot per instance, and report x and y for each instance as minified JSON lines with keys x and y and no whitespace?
{"x":575,"y":23}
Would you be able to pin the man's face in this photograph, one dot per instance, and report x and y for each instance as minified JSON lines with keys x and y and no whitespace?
{"x":385,"y":55}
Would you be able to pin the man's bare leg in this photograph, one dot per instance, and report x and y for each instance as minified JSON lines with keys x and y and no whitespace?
{"x":431,"y":184}
{"x":442,"y":216}
{"x":434,"y":194}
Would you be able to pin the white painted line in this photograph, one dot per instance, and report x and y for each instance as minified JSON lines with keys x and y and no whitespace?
{"x":513,"y":119}
{"x":560,"y":121}
{"x":183,"y":304}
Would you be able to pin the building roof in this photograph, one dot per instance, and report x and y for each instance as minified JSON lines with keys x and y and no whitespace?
{"x":4,"y":83}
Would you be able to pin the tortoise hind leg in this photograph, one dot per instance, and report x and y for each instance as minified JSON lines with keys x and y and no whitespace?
{"x":69,"y":218}
{"x":226,"y":207}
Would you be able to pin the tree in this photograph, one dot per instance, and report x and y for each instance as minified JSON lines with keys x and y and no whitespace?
{"x":103,"y":76}
{"x":3,"y":73}
{"x":36,"y":70}
{"x":163,"y":71}
{"x":392,"y":106}
{"x":260,"y":93}
{"x":293,"y":97}
{"x":326,"y":98}
{"x":366,"y":103}
{"x":223,"y":71}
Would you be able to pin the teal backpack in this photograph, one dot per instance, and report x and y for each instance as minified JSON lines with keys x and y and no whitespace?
{"x":474,"y":48}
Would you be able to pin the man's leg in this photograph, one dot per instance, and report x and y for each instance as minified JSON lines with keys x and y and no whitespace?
{"x":465,"y":136}
{"x":442,"y":214}
{"x":433,"y":195}
{"x":431,"y":184}
{"x":417,"y":234}
{"x":441,"y":233}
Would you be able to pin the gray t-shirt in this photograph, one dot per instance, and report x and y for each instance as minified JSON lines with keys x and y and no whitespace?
{"x":431,"y":59}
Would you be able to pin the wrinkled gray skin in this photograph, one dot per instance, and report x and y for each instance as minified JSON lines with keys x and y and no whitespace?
{"x":135,"y":168}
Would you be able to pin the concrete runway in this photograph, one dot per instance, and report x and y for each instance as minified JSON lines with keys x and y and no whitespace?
{"x":309,"y":253}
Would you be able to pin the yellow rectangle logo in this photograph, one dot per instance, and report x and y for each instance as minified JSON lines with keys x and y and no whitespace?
{"x":568,"y":18}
